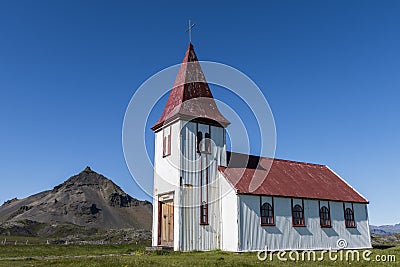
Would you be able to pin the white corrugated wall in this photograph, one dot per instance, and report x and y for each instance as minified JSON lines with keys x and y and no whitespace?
{"x":193,"y":235}
{"x":283,"y":236}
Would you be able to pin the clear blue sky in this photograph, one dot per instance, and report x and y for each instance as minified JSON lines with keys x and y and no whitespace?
{"x":329,"y":70}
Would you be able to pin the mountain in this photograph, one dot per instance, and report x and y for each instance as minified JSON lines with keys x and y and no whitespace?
{"x":87,"y":200}
{"x":385,"y":229}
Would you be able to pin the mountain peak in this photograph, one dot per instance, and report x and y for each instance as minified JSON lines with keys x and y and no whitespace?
{"x":87,"y":169}
{"x":85,"y":199}
{"x":88,"y":178}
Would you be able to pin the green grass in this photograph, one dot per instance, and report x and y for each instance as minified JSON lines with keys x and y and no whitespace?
{"x":158,"y":258}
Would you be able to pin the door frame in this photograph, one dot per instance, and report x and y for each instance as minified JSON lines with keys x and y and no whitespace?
{"x":165,"y":198}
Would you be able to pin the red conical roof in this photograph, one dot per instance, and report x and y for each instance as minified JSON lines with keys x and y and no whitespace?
{"x":191,"y":97}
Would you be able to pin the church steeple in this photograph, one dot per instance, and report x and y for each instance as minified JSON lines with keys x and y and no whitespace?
{"x":191,"y":97}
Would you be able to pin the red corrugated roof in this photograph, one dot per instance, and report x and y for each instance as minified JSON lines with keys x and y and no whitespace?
{"x":191,"y":97}
{"x":249,"y":175}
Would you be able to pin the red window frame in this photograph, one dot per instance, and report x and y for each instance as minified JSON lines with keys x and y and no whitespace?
{"x":349,"y":216}
{"x":298,"y":214}
{"x":204,"y":213}
{"x":325,"y":216}
{"x":267,"y":217}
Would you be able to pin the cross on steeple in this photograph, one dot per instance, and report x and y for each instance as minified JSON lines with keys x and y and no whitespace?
{"x":189,"y":29}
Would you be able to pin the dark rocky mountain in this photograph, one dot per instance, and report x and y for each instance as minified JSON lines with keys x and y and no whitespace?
{"x":385,"y":229}
{"x":87,"y":200}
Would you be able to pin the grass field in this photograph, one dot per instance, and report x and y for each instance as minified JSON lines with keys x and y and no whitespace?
{"x":135,"y":255}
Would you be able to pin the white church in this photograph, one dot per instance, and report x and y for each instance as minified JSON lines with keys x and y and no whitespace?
{"x":207,"y":198}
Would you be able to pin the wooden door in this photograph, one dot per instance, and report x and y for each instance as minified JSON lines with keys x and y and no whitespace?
{"x":166,"y":223}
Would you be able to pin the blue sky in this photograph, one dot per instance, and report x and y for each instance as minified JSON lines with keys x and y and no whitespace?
{"x":329,"y":70}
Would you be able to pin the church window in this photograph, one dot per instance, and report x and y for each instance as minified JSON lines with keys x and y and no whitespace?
{"x":199,"y":139}
{"x":267,"y":214}
{"x":203,"y":139}
{"x":324,"y":217}
{"x":167,"y":141}
{"x":207,"y":143}
{"x":298,"y":214}
{"x":204,"y":213}
{"x":349,"y":217}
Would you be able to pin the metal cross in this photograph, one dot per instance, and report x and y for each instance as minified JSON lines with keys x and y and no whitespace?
{"x":190,"y":30}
